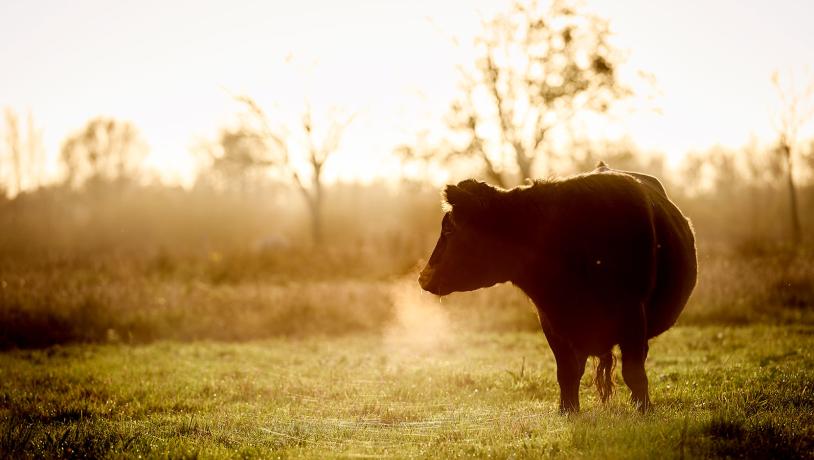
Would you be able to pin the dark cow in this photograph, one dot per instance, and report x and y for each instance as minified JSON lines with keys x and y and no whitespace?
{"x":606,"y":257}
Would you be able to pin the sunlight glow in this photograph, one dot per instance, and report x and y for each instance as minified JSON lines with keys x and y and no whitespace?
{"x":391,"y":63}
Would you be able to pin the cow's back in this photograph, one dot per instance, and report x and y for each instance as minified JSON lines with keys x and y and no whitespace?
{"x":594,"y":258}
{"x":676,"y":263}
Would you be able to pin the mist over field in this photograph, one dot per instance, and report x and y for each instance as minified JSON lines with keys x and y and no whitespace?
{"x":244,"y":282}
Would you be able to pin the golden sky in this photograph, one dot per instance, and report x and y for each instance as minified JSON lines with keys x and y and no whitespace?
{"x":168,"y":66}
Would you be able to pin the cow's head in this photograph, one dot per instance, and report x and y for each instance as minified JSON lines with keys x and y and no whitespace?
{"x":477,"y":247}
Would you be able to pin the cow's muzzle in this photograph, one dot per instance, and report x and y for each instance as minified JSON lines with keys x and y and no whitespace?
{"x":428,"y":282}
{"x":425,"y":278}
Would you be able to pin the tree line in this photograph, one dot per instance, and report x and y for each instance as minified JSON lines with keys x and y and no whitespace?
{"x":540,"y":70}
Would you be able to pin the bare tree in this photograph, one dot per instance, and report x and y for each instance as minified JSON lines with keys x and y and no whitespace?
{"x":797,"y":108}
{"x":15,"y":148}
{"x":537,"y":67}
{"x":105,"y":149}
{"x":236,"y":157}
{"x":763,"y":170}
{"x":317,"y":149}
{"x":26,"y":151}
{"x":36,"y":153}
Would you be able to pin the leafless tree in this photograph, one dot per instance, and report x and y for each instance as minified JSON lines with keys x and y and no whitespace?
{"x":237,"y":157}
{"x":25,"y":151}
{"x":796,"y":109}
{"x":104,"y":149}
{"x":317,"y":148}
{"x":15,"y":149}
{"x":537,"y":67}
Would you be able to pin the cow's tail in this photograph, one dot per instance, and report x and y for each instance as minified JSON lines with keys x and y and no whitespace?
{"x":605,"y":367}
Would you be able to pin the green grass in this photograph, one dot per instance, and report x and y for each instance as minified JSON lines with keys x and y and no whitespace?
{"x":738,"y":392}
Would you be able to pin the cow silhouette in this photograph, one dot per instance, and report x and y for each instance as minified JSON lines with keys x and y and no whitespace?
{"x":605,"y":256}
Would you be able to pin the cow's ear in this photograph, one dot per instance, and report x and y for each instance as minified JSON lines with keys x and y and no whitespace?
{"x":481,"y":189}
{"x":457,"y":198}
{"x":469,"y":198}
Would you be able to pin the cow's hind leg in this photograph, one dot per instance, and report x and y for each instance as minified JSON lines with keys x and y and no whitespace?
{"x":604,"y":375}
{"x":634,"y":352}
{"x":570,"y":367}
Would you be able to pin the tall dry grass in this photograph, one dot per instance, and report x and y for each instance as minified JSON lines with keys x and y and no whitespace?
{"x":138,"y":264}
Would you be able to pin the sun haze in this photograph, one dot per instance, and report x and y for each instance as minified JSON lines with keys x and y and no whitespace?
{"x":406,"y":229}
{"x":170,"y":67}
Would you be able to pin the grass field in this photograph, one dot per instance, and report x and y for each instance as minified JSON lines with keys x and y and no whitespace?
{"x":169,"y":359}
{"x":738,"y":392}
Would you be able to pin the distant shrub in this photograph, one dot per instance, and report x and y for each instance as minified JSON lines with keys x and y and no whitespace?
{"x":735,"y":289}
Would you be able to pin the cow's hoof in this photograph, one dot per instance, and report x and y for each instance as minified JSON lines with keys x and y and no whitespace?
{"x":569,"y":410}
{"x":643,"y":406}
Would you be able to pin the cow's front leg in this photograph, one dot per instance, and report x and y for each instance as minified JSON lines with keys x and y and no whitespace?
{"x":570,"y":367}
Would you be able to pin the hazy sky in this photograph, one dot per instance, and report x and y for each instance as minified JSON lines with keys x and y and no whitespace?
{"x":167,"y":66}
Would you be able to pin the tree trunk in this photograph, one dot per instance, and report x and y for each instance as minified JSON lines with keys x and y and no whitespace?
{"x":524,"y":165}
{"x":316,"y":209}
{"x":495,"y":177}
{"x":316,"y":223}
{"x":796,"y":231}
{"x":18,"y":170}
{"x":35,"y":160}
{"x":13,"y":141}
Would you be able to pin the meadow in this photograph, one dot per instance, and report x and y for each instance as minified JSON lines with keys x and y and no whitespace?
{"x":734,"y":392}
{"x":213,"y":216}
{"x":174,"y":328}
